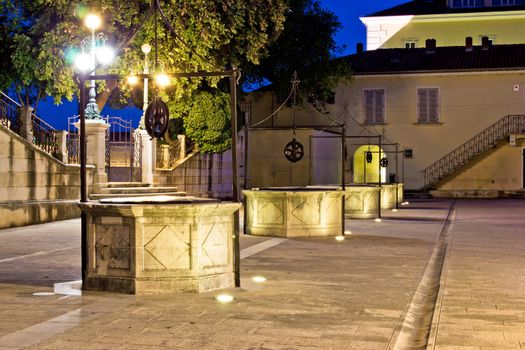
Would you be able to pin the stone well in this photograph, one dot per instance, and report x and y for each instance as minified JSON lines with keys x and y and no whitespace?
{"x":163,"y":244}
{"x":294,"y":211}
{"x":362,"y":201}
{"x":389,"y":196}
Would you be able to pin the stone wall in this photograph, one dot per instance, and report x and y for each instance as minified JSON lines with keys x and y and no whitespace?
{"x":35,"y":187}
{"x":200,"y":174}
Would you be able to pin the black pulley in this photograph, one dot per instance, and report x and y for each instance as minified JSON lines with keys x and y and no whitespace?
{"x":156,"y":118}
{"x":383,"y":162}
{"x":294,"y":151}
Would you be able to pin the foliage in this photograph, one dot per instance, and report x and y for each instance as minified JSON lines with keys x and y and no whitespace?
{"x":306,"y":45}
{"x":39,"y":38}
{"x":208,"y":122}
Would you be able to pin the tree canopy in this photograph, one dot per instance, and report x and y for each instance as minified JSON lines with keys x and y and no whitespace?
{"x":40,"y":37}
{"x":306,"y":45}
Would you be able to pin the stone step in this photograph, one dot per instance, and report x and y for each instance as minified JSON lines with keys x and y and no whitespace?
{"x":97,"y":196}
{"x":127,"y":184}
{"x":134,"y":190}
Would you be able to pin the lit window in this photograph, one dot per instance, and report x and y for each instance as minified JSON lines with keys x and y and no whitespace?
{"x":507,"y":2}
{"x":410,"y":44}
{"x":428,"y":105}
{"x":374,"y":106}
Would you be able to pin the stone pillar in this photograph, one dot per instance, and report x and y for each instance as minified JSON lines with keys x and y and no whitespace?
{"x":96,"y":150}
{"x":165,"y":156}
{"x":25,"y":115}
{"x":182,"y":143}
{"x":148,"y":160}
{"x":62,"y":154}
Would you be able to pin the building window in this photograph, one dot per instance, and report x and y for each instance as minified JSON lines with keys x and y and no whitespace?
{"x":410,"y":44}
{"x":469,"y":3}
{"x":428,"y":105}
{"x":507,"y":2}
{"x":492,"y":38}
{"x":374,"y":106}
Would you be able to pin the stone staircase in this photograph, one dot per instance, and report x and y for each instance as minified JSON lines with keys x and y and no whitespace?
{"x":134,"y":189}
{"x":462,"y":155}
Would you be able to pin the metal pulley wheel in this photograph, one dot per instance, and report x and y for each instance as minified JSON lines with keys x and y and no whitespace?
{"x":294,"y":151}
{"x":156,"y":118}
{"x":383,"y":162}
{"x":369,"y":156}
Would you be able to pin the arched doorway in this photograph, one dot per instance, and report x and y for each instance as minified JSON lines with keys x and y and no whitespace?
{"x":368,"y":172}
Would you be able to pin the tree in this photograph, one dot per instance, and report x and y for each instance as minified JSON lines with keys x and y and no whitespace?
{"x":208,"y":122}
{"x":40,"y":38}
{"x":306,"y":45}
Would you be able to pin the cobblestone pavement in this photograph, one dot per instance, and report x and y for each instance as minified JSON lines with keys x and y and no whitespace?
{"x":319,"y":293}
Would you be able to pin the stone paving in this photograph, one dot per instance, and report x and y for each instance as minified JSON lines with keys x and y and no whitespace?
{"x":319,"y":293}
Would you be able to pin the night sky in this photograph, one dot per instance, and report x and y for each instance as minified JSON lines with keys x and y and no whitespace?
{"x":353,"y":31}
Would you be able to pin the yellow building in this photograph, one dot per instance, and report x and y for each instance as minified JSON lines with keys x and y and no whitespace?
{"x":449,"y":22}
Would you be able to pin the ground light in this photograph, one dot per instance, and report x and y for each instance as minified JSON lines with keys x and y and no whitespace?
{"x":258,"y":279}
{"x":43,"y":294}
{"x":394,"y":210}
{"x":347,"y":233}
{"x":405,"y":203}
{"x":339,"y":238}
{"x":378,"y":220}
{"x":224,"y":298}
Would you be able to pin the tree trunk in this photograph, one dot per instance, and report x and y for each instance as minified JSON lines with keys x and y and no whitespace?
{"x":103,"y":96}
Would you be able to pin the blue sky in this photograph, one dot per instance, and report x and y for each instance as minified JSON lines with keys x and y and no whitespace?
{"x":353,"y":31}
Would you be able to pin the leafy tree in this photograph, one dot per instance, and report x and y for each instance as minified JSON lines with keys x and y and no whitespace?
{"x":306,"y":45}
{"x":40,"y":38}
{"x":208,"y":122}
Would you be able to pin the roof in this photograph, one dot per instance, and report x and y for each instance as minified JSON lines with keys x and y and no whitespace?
{"x":433,"y":7}
{"x":444,"y":59}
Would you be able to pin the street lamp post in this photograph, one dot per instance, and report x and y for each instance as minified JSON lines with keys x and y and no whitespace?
{"x":146,"y":49}
{"x":87,"y":62}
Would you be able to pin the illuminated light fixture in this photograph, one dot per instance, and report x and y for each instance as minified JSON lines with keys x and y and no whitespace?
{"x":146,"y":48}
{"x":394,"y":210}
{"x":162,"y":80}
{"x":92,"y":21}
{"x":378,"y":220}
{"x":258,"y":279}
{"x":405,"y":203}
{"x":105,"y":54}
{"x":43,"y":294}
{"x":83,"y":62}
{"x":339,"y":238}
{"x":224,"y":298}
{"x":133,"y":80}
{"x":369,"y":156}
{"x":348,"y":233}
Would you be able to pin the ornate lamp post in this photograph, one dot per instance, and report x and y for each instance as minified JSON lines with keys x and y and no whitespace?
{"x":87,"y":62}
{"x":146,"y":49}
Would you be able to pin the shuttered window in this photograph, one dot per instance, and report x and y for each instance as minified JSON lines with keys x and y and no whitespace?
{"x":374,"y":106}
{"x":428,"y":105}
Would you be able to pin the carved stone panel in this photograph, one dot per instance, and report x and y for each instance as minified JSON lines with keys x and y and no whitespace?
{"x":215,"y":235}
{"x":112,"y":247}
{"x":270,"y":212}
{"x":305,"y":210}
{"x":166,"y":247}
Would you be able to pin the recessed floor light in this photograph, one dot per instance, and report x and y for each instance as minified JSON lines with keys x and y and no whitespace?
{"x":347,"y":233}
{"x":224,"y":298}
{"x":394,"y":210}
{"x":378,"y":220}
{"x":258,"y":279}
{"x":339,"y":238}
{"x":43,"y":294}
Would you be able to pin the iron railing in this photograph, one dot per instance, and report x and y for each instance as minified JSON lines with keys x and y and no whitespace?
{"x":169,"y":153}
{"x":9,"y":113}
{"x":44,"y":135}
{"x":490,"y":137}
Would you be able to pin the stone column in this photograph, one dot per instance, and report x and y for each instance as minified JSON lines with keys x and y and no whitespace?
{"x":182,"y":142}
{"x":96,"y":150}
{"x":148,"y":157}
{"x":25,"y":115}
{"x":62,"y":154}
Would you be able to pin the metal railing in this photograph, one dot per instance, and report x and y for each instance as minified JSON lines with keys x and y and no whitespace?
{"x":169,"y":153}
{"x":490,"y":137}
{"x":44,"y":135}
{"x":9,"y":113}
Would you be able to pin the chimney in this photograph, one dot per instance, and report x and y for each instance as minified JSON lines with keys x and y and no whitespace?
{"x":468,"y":44}
{"x":430,"y":46}
{"x":485,"y":43}
{"x":359,"y":47}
